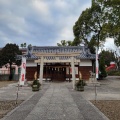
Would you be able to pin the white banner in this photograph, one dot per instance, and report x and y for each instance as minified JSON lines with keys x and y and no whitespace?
{"x":97,"y":64}
{"x":23,"y":71}
{"x":76,"y":70}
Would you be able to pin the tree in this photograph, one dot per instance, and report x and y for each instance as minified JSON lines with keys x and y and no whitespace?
{"x":113,"y":25}
{"x":8,"y":55}
{"x":109,"y":56}
{"x":98,"y":22}
{"x":88,"y":27}
{"x":102,"y":66}
{"x":65,"y":43}
{"x":23,"y":45}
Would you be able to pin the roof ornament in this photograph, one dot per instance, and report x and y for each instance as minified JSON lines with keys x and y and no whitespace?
{"x":29,"y":50}
{"x":87,"y":51}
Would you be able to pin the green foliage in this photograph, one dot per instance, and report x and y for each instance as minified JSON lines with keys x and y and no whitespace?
{"x":80,"y":83}
{"x":36,"y":85}
{"x":102,"y":66}
{"x":98,"y":22}
{"x":109,"y":56}
{"x":113,"y":25}
{"x":88,"y":27}
{"x":105,"y":57}
{"x":114,"y":73}
{"x":8,"y":55}
{"x":23,"y":45}
{"x":79,"y":86}
{"x":65,"y":43}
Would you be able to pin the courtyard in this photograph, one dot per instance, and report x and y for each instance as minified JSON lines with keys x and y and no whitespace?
{"x":60,"y":101}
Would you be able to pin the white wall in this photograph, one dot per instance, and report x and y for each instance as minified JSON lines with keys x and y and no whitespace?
{"x":85,"y":63}
{"x":82,"y":63}
{"x":31,"y":63}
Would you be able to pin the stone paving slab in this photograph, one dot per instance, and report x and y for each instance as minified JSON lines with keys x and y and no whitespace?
{"x":88,"y":111}
{"x":63,"y":105}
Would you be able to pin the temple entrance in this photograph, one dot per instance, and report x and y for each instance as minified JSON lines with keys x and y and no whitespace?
{"x":57,"y":57}
{"x":54,"y":72}
{"x":59,"y":74}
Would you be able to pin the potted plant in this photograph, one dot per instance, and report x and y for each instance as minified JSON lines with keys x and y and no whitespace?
{"x":79,"y":86}
{"x":36,"y":84}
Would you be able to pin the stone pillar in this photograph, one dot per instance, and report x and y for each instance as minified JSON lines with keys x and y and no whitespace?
{"x":73,"y":72}
{"x":41,"y":70}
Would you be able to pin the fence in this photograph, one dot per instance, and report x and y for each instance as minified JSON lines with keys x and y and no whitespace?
{"x":4,"y":74}
{"x":6,"y":77}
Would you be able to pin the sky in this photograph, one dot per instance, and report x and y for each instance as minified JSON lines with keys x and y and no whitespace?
{"x":39,"y":22}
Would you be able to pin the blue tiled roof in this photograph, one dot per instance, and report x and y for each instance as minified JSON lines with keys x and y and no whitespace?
{"x":84,"y":51}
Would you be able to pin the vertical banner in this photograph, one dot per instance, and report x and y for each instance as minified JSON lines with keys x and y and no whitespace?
{"x":97,"y":65}
{"x":76,"y":70}
{"x":23,"y":71}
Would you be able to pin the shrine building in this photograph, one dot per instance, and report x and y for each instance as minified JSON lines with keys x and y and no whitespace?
{"x":54,"y":63}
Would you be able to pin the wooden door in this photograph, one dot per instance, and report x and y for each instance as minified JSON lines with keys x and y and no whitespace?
{"x":58,"y":74}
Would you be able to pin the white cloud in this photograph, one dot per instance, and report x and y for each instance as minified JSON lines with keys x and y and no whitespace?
{"x":15,"y":23}
{"x":66,"y":34}
{"x":41,"y":8}
{"x":109,"y":44}
{"x":38,"y":22}
{"x":61,"y":4}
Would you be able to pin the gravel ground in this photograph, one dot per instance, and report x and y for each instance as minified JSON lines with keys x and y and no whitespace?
{"x":7,"y":106}
{"x":6,"y":83}
{"x":110,"y":108}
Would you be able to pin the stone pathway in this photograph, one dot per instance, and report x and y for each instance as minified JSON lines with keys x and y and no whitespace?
{"x":56,"y":102}
{"x":22,"y":111}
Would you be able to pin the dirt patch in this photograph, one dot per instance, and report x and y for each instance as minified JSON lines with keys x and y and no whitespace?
{"x":6,"y":83}
{"x":110,"y":108}
{"x":7,"y":106}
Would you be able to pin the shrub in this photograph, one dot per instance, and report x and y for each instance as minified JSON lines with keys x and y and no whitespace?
{"x":114,"y":73}
{"x":80,"y":85}
{"x":36,"y":85}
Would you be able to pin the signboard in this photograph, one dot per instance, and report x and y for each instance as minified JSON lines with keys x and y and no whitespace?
{"x":23,"y":71}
